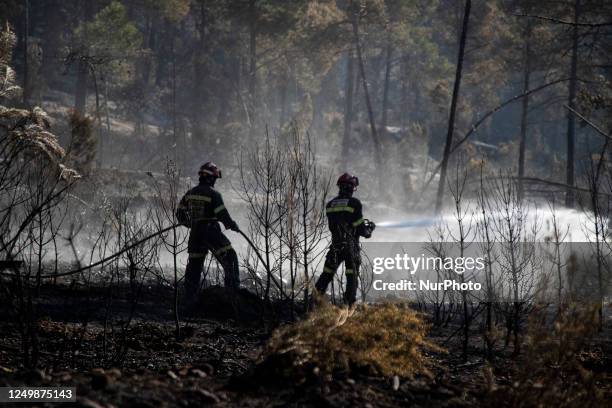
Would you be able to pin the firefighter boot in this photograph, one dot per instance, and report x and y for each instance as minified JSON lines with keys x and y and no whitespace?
{"x":350,"y":294}
{"x":230,"y":268}
{"x":323,"y":282}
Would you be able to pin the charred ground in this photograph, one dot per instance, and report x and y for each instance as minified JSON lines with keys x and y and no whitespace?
{"x":221,"y":357}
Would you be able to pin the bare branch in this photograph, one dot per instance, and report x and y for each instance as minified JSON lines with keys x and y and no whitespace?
{"x":487,"y":115}
{"x":588,"y":122}
{"x":558,"y":21}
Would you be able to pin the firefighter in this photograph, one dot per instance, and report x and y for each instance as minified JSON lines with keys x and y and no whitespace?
{"x":346,"y":224}
{"x":201,"y":209}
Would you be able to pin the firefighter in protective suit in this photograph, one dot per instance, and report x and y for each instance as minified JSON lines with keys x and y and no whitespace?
{"x":201,"y":209}
{"x":346,"y":224}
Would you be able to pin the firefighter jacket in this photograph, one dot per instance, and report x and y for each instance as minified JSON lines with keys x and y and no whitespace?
{"x":345,"y":218}
{"x":203,"y":205}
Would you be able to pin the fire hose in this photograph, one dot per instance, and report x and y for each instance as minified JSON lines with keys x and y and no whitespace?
{"x":143,"y":240}
{"x":401,"y":224}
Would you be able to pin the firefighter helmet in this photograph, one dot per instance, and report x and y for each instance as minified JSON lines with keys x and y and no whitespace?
{"x":348,"y":180}
{"x":209,"y":169}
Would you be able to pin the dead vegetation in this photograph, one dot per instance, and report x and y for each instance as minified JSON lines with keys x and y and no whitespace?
{"x":23,"y":132}
{"x":333,"y":357}
{"x":553,"y":371}
{"x":385,"y":340}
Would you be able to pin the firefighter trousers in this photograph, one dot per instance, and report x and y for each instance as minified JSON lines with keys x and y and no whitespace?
{"x":202,"y":240}
{"x":349,"y":254}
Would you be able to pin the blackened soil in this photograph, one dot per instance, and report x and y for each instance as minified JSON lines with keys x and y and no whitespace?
{"x":118,"y":352}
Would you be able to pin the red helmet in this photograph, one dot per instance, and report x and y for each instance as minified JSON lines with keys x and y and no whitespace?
{"x":348,"y":180}
{"x":209,"y":169}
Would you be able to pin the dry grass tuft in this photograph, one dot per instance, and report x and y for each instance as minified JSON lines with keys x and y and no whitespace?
{"x":384,"y":340}
{"x":8,"y":89}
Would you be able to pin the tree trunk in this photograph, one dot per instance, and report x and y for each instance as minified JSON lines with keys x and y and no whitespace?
{"x":163,"y":37}
{"x":174,"y":121}
{"x":26,"y":30}
{"x":364,"y":82}
{"x":143,"y":73}
{"x":80,"y":97}
{"x":525,"y":109}
{"x":82,"y":83}
{"x":200,"y":75}
{"x":283,"y":99}
{"x":108,"y":125}
{"x":385,"y":101}
{"x":404,"y":92}
{"x":571,"y":122}
{"x":252,"y":60}
{"x":453,"y":107}
{"x":201,"y":71}
{"x":348,"y":108}
{"x":231,"y":67}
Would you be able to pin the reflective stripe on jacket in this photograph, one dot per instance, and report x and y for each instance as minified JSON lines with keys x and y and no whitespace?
{"x":202,"y":204}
